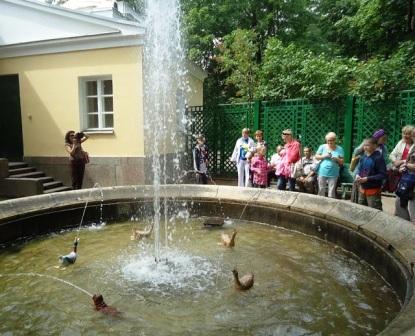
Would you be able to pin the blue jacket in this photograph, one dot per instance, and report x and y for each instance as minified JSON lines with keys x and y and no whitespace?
{"x":374,"y":168}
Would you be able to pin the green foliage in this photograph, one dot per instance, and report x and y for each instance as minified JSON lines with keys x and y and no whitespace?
{"x":277,"y":49}
{"x":291,"y":72}
{"x":238,"y":59}
{"x":364,"y":28}
{"x":379,"y":78}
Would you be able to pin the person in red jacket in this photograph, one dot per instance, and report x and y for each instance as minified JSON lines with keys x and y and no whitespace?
{"x":289,"y":156}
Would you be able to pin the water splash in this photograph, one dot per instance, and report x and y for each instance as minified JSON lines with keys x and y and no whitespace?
{"x":179,"y":271}
{"x":86,"y":205}
{"x":164,"y":102}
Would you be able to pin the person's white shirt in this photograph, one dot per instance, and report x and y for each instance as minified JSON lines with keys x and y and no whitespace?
{"x":275,"y":159}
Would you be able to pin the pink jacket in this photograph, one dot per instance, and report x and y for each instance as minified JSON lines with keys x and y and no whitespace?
{"x":289,"y":156}
{"x":259,"y":167}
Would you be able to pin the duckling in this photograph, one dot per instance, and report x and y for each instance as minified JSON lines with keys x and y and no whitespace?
{"x":100,"y":305}
{"x":71,"y":257}
{"x":138,"y":234}
{"x":244,"y":283}
{"x":228,"y":241}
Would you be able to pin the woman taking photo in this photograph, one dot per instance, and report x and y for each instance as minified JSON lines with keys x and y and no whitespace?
{"x":77,"y":157}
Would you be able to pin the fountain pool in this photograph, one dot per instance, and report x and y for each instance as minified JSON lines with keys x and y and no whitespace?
{"x":337,"y":278}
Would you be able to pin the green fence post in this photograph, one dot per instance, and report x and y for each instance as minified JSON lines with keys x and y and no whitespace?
{"x":257,"y":105}
{"x":348,"y":128}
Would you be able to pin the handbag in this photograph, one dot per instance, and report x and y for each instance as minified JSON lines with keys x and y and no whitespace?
{"x":392,"y":180}
{"x":81,"y":155}
{"x":85,"y":157}
{"x":405,"y":188}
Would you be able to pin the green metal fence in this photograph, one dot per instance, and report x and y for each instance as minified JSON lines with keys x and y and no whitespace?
{"x":351,"y":118}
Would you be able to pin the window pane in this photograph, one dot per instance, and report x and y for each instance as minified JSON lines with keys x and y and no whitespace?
{"x":107,"y":86}
{"x":92,"y":120}
{"x":91,"y":88}
{"x":92,"y":105}
{"x":108,"y":120}
{"x":108,"y":104}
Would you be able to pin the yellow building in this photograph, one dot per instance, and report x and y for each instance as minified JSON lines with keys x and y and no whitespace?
{"x":61,"y":70}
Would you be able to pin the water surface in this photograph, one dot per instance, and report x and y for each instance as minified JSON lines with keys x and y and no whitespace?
{"x":303,"y":286}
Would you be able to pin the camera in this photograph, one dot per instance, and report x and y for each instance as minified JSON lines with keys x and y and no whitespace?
{"x":79,"y":135}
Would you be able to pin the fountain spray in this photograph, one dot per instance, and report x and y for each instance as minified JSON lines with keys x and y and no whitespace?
{"x":165,"y":88}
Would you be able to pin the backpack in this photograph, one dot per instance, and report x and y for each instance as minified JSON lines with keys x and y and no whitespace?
{"x":405,"y":188}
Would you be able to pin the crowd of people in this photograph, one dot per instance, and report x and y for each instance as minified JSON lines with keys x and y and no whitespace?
{"x":297,"y":168}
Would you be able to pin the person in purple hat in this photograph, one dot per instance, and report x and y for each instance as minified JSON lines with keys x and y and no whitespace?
{"x":381,"y":137}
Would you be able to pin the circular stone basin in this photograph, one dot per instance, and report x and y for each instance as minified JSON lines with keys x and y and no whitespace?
{"x":340,"y":278}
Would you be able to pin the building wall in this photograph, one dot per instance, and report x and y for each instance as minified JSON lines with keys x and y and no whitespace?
{"x":50,"y":100}
{"x":195,"y":96}
{"x":49,"y":97}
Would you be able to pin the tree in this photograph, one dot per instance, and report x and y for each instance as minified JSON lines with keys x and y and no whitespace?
{"x":300,"y":48}
{"x":291,"y":72}
{"x":238,"y":60}
{"x":380,"y":78}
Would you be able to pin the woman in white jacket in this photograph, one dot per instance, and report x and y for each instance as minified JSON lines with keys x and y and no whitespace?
{"x":241,"y":156}
{"x":399,"y":157}
{"x":403,"y":147}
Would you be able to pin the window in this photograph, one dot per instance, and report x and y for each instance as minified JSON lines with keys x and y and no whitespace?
{"x":97,"y":111}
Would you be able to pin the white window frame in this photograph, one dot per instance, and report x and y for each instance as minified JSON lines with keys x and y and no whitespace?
{"x":83,"y":106}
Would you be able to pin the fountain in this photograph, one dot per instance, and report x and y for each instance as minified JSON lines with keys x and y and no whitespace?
{"x":321,"y":266}
{"x":164,"y":103}
{"x":323,"y":281}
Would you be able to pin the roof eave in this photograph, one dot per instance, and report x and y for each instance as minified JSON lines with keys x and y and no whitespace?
{"x":90,"y":42}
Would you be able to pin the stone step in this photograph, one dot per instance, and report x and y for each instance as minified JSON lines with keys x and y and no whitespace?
{"x":16,"y":171}
{"x":44,"y":179}
{"x":14,"y":165}
{"x":63,"y":188}
{"x":30,"y":175}
{"x":52,"y":184}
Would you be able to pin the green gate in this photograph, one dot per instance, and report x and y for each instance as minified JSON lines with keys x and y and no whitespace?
{"x":309,"y":121}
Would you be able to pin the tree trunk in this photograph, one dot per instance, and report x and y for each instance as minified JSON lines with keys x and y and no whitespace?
{"x":411,"y":21}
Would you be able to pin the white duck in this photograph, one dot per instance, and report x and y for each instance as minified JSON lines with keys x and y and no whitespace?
{"x":71,"y":257}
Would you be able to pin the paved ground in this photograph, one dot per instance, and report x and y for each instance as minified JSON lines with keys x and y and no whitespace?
{"x":388,"y":204}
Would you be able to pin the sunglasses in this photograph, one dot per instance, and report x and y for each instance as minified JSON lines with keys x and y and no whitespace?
{"x":286,"y":133}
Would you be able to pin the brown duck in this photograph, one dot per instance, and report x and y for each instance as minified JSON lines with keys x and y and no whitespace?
{"x":100,"y":305}
{"x":244,"y":283}
{"x":228,"y":241}
{"x":139,"y":234}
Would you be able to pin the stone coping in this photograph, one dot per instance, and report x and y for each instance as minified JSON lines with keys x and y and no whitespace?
{"x":394,"y":234}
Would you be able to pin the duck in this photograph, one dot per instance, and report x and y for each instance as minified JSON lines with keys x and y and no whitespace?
{"x":244,"y":283}
{"x":228,"y":241}
{"x":71,"y":257}
{"x":100,"y":305}
{"x":139,"y":234}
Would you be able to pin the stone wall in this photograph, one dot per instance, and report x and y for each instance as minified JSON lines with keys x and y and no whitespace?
{"x":107,"y":171}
